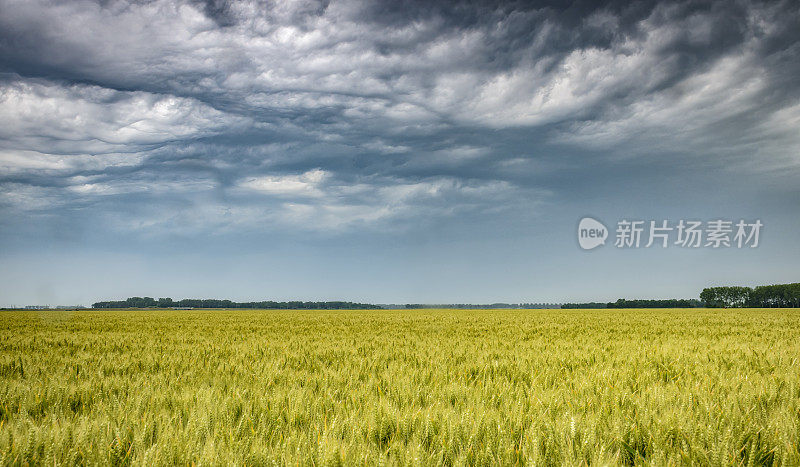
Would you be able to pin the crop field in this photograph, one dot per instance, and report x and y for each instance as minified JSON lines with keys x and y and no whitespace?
{"x":452,"y":387}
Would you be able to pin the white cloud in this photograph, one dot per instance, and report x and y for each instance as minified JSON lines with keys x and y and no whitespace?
{"x":335,"y":206}
{"x":305,"y":184}
{"x":694,"y":118}
{"x":83,"y":119}
{"x":34,"y":162}
{"x":172,"y":187}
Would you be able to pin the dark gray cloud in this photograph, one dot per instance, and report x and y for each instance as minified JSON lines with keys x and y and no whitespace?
{"x":210,"y":116}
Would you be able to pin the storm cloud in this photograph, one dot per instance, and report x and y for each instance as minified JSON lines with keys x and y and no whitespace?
{"x":156,"y":118}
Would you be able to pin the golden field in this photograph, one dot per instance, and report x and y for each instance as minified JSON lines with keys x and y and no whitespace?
{"x":441,"y":387}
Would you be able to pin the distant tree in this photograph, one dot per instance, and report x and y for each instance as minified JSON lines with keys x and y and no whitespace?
{"x":148,"y":302}
{"x":726,"y":297}
{"x":587,"y":305}
{"x":710,"y":298}
{"x":667,"y":303}
{"x":778,"y":295}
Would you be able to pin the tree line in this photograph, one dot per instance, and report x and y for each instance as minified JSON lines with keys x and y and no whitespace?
{"x":624,"y":303}
{"x":149,"y":302}
{"x":764,"y":296}
{"x":475,"y":306}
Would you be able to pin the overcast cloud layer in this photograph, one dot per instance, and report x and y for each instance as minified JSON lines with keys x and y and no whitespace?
{"x":154,"y":120}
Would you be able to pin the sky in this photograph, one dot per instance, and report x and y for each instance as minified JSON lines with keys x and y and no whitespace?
{"x":391,"y":152}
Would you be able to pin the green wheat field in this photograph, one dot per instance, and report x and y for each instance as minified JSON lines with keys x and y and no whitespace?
{"x":441,"y":387}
